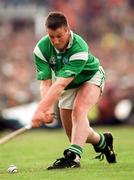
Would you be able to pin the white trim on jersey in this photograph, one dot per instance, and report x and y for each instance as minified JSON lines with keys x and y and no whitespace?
{"x":79,"y":56}
{"x":71,"y":40}
{"x":38,"y":53}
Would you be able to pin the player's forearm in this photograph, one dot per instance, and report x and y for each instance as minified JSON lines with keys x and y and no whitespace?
{"x":44,"y":87}
{"x":54,"y":92}
{"x":51,"y":97}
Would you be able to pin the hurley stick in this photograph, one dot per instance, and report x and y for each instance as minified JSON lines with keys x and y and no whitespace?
{"x":14,"y":134}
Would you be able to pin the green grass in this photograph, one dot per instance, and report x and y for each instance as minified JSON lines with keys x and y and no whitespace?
{"x":33,"y":151}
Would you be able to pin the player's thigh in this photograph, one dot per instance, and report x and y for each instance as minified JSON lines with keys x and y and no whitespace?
{"x":87,"y":96}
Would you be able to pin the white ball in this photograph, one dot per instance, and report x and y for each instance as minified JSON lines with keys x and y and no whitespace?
{"x":12,"y":169}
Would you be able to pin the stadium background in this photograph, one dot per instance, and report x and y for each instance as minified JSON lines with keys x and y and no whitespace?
{"x":108,"y":27}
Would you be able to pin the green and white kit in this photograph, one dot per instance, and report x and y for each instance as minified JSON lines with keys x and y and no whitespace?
{"x":77,"y":61}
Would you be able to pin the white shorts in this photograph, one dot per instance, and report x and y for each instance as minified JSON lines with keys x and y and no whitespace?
{"x":66,"y":99}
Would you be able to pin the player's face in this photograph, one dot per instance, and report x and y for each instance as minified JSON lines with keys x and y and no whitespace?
{"x":59,"y":37}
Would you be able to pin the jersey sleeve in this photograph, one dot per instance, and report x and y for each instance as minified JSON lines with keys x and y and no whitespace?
{"x":43,"y":70}
{"x":76,"y":64}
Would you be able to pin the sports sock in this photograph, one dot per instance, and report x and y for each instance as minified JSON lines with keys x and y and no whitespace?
{"x":76,"y":149}
{"x":102,"y":142}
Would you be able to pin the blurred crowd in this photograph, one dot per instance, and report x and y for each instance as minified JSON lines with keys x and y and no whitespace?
{"x":108,"y":27}
{"x":16,"y":68}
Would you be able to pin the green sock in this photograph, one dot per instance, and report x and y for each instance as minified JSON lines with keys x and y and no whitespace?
{"x":102,"y":142}
{"x":76,"y":149}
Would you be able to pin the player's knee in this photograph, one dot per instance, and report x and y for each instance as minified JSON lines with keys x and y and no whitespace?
{"x":78,"y":112}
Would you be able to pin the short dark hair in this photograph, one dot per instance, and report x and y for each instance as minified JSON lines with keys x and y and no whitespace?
{"x":56,"y":20}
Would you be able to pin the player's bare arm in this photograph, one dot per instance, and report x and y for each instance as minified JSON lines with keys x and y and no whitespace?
{"x":43,"y":114}
{"x":44,"y":87}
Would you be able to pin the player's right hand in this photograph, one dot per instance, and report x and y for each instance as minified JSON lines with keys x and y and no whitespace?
{"x":40,"y":118}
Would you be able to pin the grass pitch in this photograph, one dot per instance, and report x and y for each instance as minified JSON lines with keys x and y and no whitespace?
{"x":33,"y":151}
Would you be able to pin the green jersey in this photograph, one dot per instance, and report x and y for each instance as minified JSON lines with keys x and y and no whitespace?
{"x":77,"y":61}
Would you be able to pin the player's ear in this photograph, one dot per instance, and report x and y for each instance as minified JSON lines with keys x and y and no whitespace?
{"x":67,"y":29}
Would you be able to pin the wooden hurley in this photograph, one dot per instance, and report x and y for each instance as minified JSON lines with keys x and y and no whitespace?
{"x":14,"y":134}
